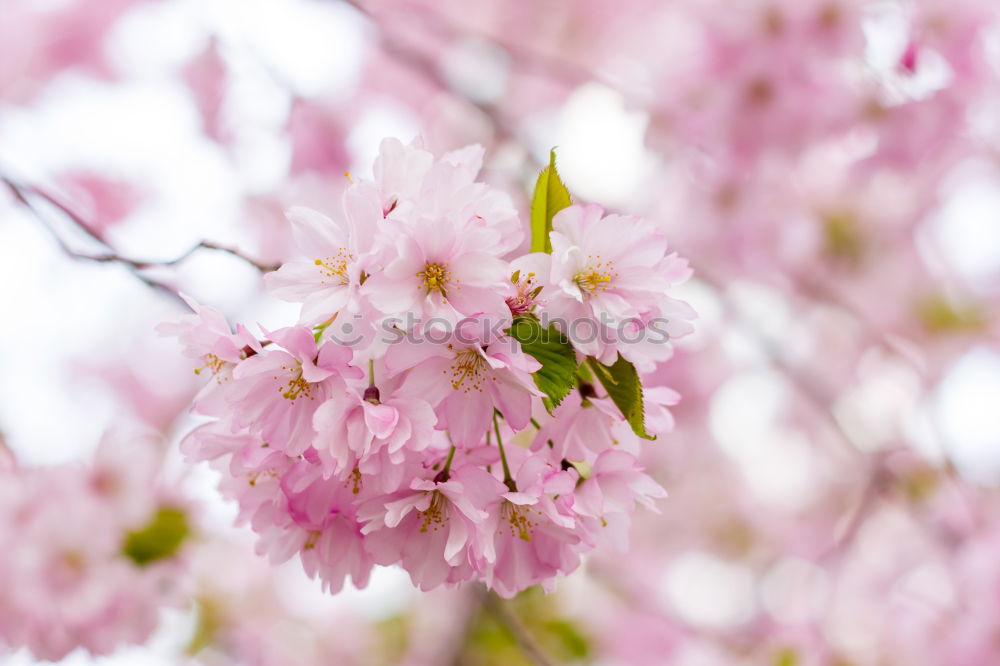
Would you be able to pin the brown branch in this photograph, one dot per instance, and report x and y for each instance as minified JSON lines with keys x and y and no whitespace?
{"x":209,"y":245}
{"x":24,"y":193}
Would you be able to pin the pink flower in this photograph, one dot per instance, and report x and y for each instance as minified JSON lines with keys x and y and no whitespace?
{"x":527,"y":286}
{"x":608,"y":272}
{"x":467,"y":376}
{"x":356,"y":428}
{"x":316,"y":518}
{"x":584,"y":427}
{"x":442,"y":269}
{"x":534,"y":535}
{"x":436,"y":529}
{"x":207,"y":337}
{"x":412,"y":186}
{"x":275,"y":393}
{"x":615,"y":484}
{"x":336,"y":255}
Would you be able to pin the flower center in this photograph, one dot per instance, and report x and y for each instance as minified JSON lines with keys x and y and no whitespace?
{"x":517,"y":517}
{"x":355,"y":480}
{"x":435,"y":278}
{"x":468,"y":365}
{"x":212,"y":362}
{"x":335,"y":268}
{"x":596,"y":276}
{"x":527,"y":292}
{"x":296,"y":385}
{"x":436,"y":514}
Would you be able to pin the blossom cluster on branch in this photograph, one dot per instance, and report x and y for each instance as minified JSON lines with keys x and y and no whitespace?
{"x":419,"y":412}
{"x":461,"y":386}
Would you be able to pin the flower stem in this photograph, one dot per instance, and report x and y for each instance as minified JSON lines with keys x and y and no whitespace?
{"x":447,"y":463}
{"x":507,"y":478}
{"x":443,"y":475}
{"x":319,"y":329}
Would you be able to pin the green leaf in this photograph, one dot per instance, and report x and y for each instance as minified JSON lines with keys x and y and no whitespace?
{"x":551,"y":196}
{"x":160,"y":538}
{"x":622,"y":383}
{"x":557,"y":376}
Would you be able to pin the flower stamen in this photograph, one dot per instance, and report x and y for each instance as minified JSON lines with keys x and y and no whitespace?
{"x":435,"y":515}
{"x":296,"y":385}
{"x":335,"y":267}
{"x":597,"y":276}
{"x":517,"y":517}
{"x":469,"y":365}
{"x":435,"y":278}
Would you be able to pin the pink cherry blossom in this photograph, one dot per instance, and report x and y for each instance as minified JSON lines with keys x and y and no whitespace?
{"x":276,"y":392}
{"x":615,"y":484}
{"x":443,"y":269}
{"x":583,"y":427}
{"x":436,"y":528}
{"x":372,"y":430}
{"x":609,"y":272}
{"x":466,"y":376}
{"x":534,"y":533}
{"x":336,"y":255}
{"x":207,"y":337}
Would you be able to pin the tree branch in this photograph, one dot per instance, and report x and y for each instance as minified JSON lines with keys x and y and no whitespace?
{"x":24,"y":194}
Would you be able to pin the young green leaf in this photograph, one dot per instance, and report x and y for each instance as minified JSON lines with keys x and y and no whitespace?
{"x":160,"y":538}
{"x":557,"y":376}
{"x":622,"y":383}
{"x":551,"y":196}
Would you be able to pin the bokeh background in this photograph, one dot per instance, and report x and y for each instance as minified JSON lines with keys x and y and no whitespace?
{"x":829,"y":167}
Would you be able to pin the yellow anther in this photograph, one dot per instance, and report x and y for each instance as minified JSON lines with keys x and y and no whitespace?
{"x":518,"y":519}
{"x":436,"y":514}
{"x":335,"y":267}
{"x":597,"y":276}
{"x":435,"y":278}
{"x":296,"y":386}
{"x":468,"y":370}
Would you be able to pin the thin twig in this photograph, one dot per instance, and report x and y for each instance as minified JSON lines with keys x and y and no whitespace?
{"x":209,"y":245}
{"x":23,"y":194}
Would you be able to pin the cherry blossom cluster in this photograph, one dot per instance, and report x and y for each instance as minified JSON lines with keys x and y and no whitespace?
{"x":439,"y":404}
{"x":90,"y":552}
